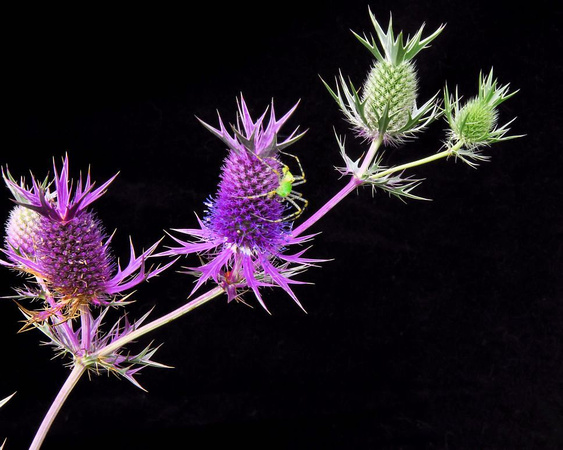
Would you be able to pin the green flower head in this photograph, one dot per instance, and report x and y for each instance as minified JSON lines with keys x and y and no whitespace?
{"x":474,"y":124}
{"x":385,"y":107}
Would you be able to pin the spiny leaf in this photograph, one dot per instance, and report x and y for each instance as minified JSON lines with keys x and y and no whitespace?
{"x":6,"y":400}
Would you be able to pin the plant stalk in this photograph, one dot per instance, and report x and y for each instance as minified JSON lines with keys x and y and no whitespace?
{"x":63,"y":394}
{"x":147,"y":328}
{"x":358,"y":179}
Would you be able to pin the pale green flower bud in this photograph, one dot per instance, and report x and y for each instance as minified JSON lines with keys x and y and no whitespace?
{"x":390,"y":90}
{"x":474,"y":124}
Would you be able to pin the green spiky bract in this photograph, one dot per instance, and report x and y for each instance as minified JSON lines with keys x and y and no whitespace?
{"x":395,"y":50}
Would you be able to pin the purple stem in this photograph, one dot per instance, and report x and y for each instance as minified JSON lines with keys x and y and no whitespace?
{"x":63,"y":322}
{"x":350,"y":186}
{"x":70,"y":382}
{"x":85,"y":320}
{"x":133,"y":335}
{"x":355,"y":181}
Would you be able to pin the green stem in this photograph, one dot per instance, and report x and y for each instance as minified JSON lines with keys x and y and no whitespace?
{"x":443,"y":154}
{"x":67,"y":387}
{"x":368,"y":160}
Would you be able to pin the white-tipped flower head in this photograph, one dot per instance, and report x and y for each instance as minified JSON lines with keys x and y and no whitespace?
{"x":389,"y":90}
{"x":21,"y":230}
{"x":385,"y":107}
{"x":474,"y":124}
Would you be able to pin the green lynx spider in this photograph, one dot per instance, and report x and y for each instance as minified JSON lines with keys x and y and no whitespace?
{"x":285,"y":191}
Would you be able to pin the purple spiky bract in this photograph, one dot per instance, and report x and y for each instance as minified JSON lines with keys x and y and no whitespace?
{"x":244,"y":235}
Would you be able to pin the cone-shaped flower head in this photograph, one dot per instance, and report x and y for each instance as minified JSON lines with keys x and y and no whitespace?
{"x":52,"y":234}
{"x":389,"y":90}
{"x":386,"y":105}
{"x":248,"y":223}
{"x":474,"y":124}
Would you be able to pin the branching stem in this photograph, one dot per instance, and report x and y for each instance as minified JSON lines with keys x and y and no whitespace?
{"x":359,"y":178}
{"x":79,"y":367}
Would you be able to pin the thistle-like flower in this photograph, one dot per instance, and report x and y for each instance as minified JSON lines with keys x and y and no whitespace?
{"x":385,"y":107}
{"x":474,"y":124}
{"x":54,"y":236}
{"x":247,"y":226}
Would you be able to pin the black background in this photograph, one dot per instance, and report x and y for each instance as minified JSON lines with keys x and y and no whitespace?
{"x":437,"y":325}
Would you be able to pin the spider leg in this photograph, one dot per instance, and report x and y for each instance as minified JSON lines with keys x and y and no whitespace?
{"x":292,"y":198}
{"x":265,"y":194}
{"x":298,"y":209}
{"x":300,"y":177}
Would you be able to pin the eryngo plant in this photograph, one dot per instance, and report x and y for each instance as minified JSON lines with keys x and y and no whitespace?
{"x":473,"y":124}
{"x":243,"y":241}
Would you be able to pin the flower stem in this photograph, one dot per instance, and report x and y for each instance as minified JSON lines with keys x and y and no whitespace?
{"x":147,"y":328}
{"x":85,"y":319}
{"x":354,"y":182}
{"x":443,"y":154}
{"x":67,"y":387}
{"x":350,"y":186}
{"x":79,"y":368}
{"x":370,"y":156}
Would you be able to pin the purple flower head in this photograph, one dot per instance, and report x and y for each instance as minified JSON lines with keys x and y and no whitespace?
{"x":53,"y":235}
{"x":247,"y":226}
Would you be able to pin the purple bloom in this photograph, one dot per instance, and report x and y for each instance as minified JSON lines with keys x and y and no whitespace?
{"x":52,"y":235}
{"x":247,"y":226}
